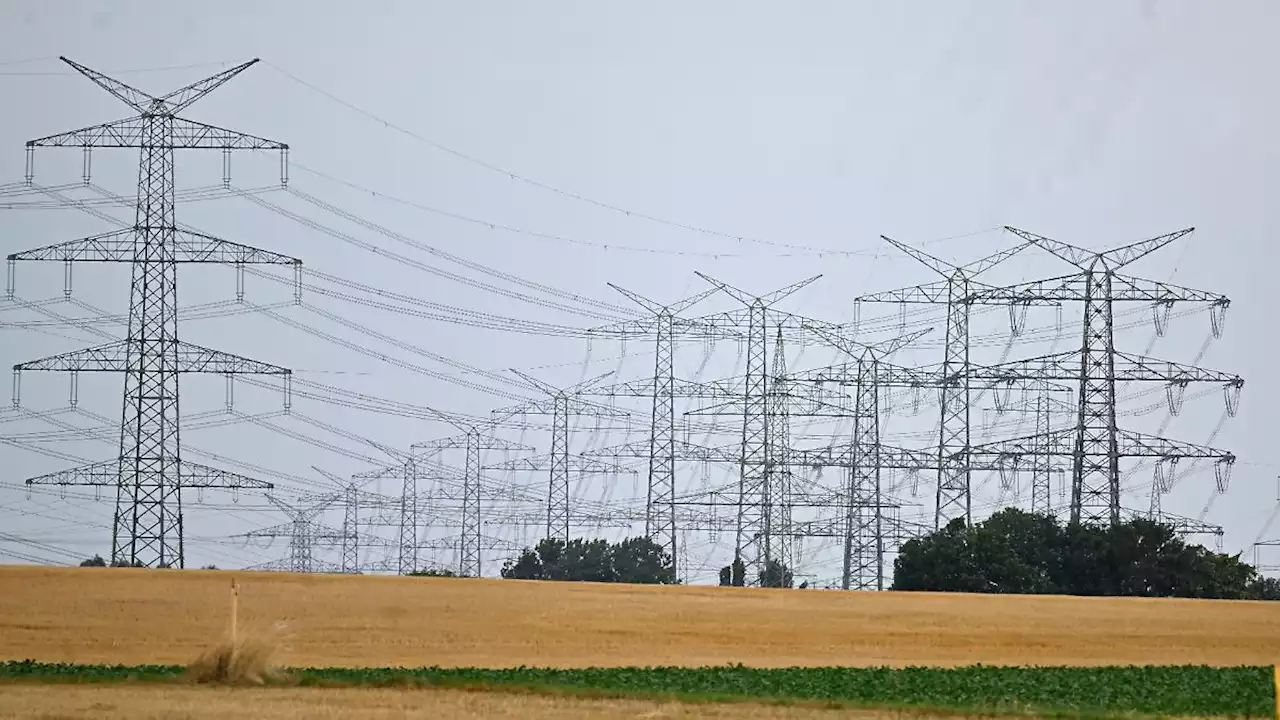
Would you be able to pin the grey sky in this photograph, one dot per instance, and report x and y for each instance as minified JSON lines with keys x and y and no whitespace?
{"x":822,"y":125}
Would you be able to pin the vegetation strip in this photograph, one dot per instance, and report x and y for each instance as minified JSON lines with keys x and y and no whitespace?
{"x":1150,"y":690}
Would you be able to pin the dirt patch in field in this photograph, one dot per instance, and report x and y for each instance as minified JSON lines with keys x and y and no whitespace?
{"x":124,"y":615}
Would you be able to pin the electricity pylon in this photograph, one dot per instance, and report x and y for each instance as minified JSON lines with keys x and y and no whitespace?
{"x":303,"y":533}
{"x":353,"y":498}
{"x":869,"y":373}
{"x":665,"y":325}
{"x":408,"y":469}
{"x":149,"y":474}
{"x":559,"y":403}
{"x":1096,"y":443}
{"x":474,"y":440}
{"x":752,"y":544}
{"x":778,"y":500}
{"x":957,"y":292}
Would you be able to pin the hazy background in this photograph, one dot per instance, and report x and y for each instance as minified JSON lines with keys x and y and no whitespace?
{"x":569,"y":144}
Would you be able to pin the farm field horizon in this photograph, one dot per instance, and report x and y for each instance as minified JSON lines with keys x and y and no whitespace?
{"x":134,"y":616}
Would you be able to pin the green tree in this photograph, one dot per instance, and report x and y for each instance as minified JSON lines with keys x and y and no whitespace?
{"x":641,"y":560}
{"x":776,"y":575}
{"x":635,"y":560}
{"x":1018,"y":552}
{"x":95,"y":561}
{"x":1265,"y":588}
{"x":734,"y":574}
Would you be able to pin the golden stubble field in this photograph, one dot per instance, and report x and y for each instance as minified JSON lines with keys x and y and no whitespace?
{"x":118,"y":615}
{"x":168,"y":702}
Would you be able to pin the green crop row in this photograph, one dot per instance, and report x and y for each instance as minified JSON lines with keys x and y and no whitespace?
{"x":1057,"y":691}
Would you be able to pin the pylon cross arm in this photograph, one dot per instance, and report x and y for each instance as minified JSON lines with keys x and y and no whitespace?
{"x":190,"y":475}
{"x":114,"y":357}
{"x":192,"y":135}
{"x":186,"y":135}
{"x":124,"y":133}
{"x":577,"y":463}
{"x":115,"y":246}
{"x":1136,"y":367}
{"x":1135,"y":444}
{"x":1049,"y":291}
{"x":187,"y":247}
{"x":1143,"y":290}
{"x":928,"y":294}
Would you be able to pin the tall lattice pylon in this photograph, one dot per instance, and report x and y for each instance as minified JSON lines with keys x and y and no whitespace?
{"x":664,"y":323}
{"x":149,"y":474}
{"x":752,"y":545}
{"x":474,"y":441}
{"x":560,"y":403}
{"x":1097,"y":443}
{"x":954,"y":438}
{"x":778,"y":472}
{"x":1042,"y":407}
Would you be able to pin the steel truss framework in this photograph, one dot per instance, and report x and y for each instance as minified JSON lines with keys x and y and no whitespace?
{"x":560,"y":403}
{"x":150,"y":474}
{"x":474,"y":440}
{"x":1096,"y":443}
{"x":955,"y":384}
{"x":304,"y":533}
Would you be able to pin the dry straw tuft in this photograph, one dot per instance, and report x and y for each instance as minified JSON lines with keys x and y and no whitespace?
{"x":244,"y":661}
{"x":239,"y":659}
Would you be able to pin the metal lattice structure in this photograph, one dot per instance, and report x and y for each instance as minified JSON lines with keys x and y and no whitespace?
{"x":664,"y":324}
{"x":303,"y":532}
{"x":753,"y":544}
{"x":474,"y":441}
{"x":149,"y":475}
{"x":955,"y":387}
{"x":1097,"y":443}
{"x":778,"y":478}
{"x":560,"y":403}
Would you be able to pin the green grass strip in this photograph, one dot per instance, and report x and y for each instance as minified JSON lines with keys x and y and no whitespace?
{"x":1187,"y":690}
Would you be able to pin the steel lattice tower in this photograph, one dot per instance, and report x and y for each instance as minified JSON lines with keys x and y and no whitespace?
{"x":353,"y":498}
{"x":350,"y":529}
{"x":149,"y":474}
{"x":955,"y":392}
{"x":560,"y":403}
{"x":1097,"y":443}
{"x":1042,"y":407}
{"x":407,"y":561}
{"x":865,"y":457}
{"x":473,"y":441}
{"x":777,"y":509}
{"x":864,"y":546}
{"x":303,"y":533}
{"x":751,"y":545}
{"x":660,"y":517}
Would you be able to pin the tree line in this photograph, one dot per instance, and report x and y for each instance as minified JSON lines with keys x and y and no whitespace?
{"x":1019,"y":552}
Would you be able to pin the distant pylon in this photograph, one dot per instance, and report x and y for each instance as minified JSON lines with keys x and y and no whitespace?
{"x":664,"y":323}
{"x":559,"y":403}
{"x":752,"y":545}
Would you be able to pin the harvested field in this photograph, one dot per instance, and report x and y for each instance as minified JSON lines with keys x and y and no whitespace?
{"x":153,"y":702}
{"x":128,"y":616}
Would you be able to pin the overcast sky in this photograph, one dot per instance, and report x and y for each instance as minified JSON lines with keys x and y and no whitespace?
{"x":550,"y":148}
